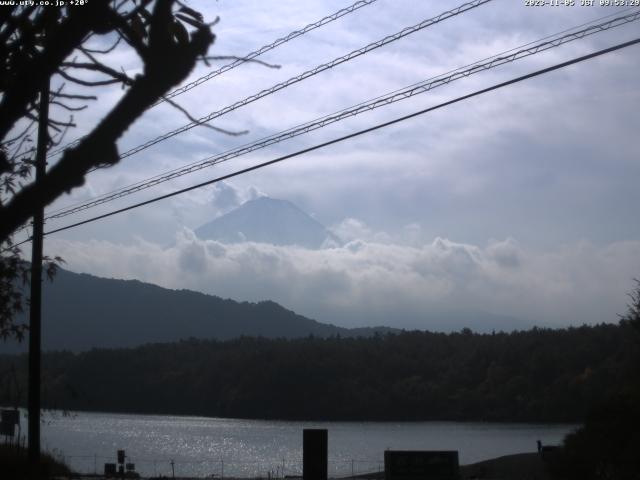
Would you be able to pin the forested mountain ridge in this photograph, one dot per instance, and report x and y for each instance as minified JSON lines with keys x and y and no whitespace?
{"x":81,"y":312}
{"x":535,"y":375}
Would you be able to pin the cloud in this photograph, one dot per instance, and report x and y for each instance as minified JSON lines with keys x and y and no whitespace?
{"x":535,"y":160}
{"x":351,"y":229}
{"x":539,"y":162}
{"x":440,"y":285}
{"x":226,"y":196}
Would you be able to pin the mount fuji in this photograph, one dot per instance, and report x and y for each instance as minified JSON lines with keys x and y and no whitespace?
{"x":269,"y":220}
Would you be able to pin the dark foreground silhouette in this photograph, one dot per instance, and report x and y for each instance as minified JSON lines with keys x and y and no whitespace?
{"x":13,"y":461}
{"x":536,"y":375}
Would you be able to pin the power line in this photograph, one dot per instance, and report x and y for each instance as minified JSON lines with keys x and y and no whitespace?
{"x":352,"y":135}
{"x":246,"y":58}
{"x":346,"y":137}
{"x":406,"y":31}
{"x":266,"y":48}
{"x":210,"y":161}
{"x":512,"y":55}
{"x":398,"y":95}
{"x":309,"y":73}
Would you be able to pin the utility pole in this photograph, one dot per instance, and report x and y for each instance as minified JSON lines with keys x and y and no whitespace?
{"x":35,"y":308}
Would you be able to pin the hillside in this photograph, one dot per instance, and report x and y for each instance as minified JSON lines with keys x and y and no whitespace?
{"x":82,"y":311}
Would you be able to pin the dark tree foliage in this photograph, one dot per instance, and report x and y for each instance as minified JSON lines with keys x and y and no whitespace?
{"x":54,"y":43}
{"x":632,"y":317}
{"x":607,"y":445}
{"x":14,"y":275}
{"x":14,"y":463}
{"x":536,"y":375}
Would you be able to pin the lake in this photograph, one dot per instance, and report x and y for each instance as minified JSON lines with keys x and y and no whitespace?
{"x":222,"y":447}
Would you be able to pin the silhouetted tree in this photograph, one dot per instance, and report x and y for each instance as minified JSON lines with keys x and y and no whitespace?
{"x":40,"y":43}
{"x":607,"y":445}
{"x":632,"y":317}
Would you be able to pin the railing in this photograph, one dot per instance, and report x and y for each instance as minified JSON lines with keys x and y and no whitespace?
{"x":220,"y":468}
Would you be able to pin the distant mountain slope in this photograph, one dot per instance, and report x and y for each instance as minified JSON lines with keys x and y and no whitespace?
{"x":81,"y":312}
{"x":268,"y":220}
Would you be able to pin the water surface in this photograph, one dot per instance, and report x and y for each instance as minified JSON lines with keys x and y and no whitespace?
{"x":201,"y":446}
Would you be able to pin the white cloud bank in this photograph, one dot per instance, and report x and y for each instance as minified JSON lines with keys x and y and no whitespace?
{"x":439,"y":285}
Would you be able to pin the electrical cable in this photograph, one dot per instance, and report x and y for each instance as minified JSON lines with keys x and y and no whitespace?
{"x":309,"y":73}
{"x":529,"y":49}
{"x":250,"y":56}
{"x":246,"y":58}
{"x":351,"y":135}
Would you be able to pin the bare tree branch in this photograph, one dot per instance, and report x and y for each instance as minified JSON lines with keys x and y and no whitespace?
{"x":248,"y":60}
{"x":129,"y":35}
{"x":193,"y":119}
{"x":58,"y":123}
{"x":24,"y":83}
{"x":19,"y":135}
{"x":99,"y":147}
{"x":99,"y":67}
{"x":18,"y":149}
{"x":74,"y":97}
{"x":67,"y":107}
{"x":106,"y":50}
{"x":87,"y":83}
{"x":138,"y":10}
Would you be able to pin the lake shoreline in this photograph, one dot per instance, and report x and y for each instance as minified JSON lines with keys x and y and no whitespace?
{"x":320,"y":420}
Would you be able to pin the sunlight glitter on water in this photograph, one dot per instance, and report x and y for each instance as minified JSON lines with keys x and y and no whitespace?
{"x":235,"y":447}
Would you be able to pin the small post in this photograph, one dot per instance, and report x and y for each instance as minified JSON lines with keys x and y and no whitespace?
{"x":314,"y":453}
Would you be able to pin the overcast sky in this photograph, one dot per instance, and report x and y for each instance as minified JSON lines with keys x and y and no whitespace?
{"x":518,"y":206}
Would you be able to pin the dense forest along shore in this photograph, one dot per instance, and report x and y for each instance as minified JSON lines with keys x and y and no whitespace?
{"x":539,"y":375}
